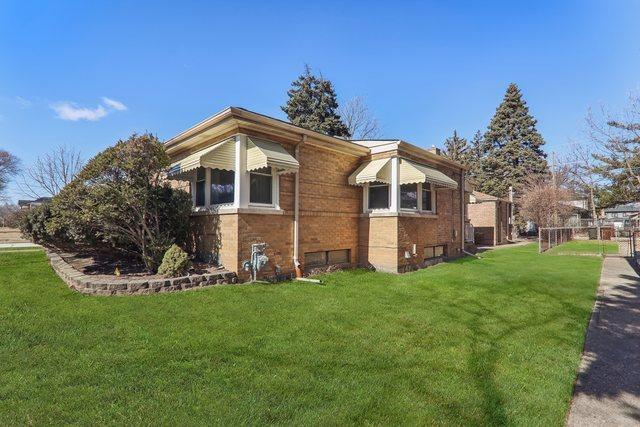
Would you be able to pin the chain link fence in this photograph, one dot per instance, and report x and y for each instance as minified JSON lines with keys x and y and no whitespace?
{"x":553,"y":236}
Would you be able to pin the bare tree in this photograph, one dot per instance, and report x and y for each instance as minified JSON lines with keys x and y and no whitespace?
{"x":9,"y":166}
{"x":582,"y":171}
{"x":359,"y":120}
{"x":50,"y":172}
{"x":546,"y":201}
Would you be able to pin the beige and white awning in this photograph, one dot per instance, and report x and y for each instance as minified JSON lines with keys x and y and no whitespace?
{"x":219,"y":156}
{"x":372,"y":171}
{"x":380,"y":171}
{"x":262,"y":154}
{"x":411,"y":172}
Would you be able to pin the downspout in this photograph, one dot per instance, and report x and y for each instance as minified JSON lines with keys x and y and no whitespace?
{"x":462,"y":218}
{"x":296,"y":212}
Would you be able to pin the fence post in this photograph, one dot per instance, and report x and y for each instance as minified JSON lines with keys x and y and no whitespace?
{"x":539,"y":240}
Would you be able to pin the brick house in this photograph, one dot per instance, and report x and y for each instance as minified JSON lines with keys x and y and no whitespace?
{"x":490,"y":217}
{"x":315,"y":200}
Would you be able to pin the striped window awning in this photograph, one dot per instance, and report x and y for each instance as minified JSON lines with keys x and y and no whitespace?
{"x":411,"y":172}
{"x":262,"y":154}
{"x":219,"y":156}
{"x":372,"y":171}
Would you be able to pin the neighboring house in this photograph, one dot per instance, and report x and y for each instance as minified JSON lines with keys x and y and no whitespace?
{"x":315,"y":200}
{"x":490,"y":217}
{"x":620,"y":215}
{"x":580,"y":215}
{"x":29,"y":204}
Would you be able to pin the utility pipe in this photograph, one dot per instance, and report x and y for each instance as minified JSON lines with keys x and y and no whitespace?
{"x":463,"y":238}
{"x":296,"y":212}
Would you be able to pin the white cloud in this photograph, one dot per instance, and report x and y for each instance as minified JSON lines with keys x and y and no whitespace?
{"x":22,"y":102}
{"x":70,"y":111}
{"x":112,"y":103}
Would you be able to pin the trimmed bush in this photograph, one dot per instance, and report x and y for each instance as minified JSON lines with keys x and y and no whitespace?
{"x":32,"y":223}
{"x":175,"y":262}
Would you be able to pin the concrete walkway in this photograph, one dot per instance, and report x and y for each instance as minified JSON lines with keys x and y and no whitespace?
{"x":19,"y":245}
{"x":607,"y":391}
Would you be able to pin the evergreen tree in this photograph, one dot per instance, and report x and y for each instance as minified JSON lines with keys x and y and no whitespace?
{"x":475,"y":154}
{"x":512,"y":147}
{"x":313,"y":105}
{"x":457,"y":148}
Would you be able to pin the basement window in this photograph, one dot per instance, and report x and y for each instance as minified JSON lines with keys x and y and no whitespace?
{"x":431,"y":252}
{"x":325,"y":258}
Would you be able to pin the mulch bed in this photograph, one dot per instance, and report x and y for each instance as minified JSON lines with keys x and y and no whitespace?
{"x":103,"y":263}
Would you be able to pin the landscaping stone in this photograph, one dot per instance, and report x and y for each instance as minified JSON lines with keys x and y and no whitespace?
{"x":90,"y":285}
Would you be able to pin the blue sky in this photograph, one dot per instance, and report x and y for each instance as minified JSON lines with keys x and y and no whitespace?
{"x":424,"y":68}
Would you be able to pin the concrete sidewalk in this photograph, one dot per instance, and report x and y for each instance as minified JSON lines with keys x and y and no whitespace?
{"x":19,"y":245}
{"x":607,"y":391}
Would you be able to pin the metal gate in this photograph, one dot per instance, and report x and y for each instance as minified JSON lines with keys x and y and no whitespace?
{"x":627,"y":240}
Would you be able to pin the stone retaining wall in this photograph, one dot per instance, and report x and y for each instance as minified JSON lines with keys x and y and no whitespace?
{"x":88,"y":284}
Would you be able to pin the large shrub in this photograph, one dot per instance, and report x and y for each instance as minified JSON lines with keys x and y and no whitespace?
{"x":175,"y":262}
{"x":33,"y":223}
{"x":121,"y":198}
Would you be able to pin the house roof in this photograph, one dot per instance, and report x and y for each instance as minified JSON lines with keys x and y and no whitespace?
{"x":199,"y":133}
{"x":626,"y":207}
{"x":484,"y":197}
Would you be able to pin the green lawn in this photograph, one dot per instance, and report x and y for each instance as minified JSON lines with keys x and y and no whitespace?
{"x":584,"y":247}
{"x":489,"y":341}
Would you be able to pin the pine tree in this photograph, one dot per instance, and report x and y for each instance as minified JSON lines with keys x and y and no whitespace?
{"x":313,"y":104}
{"x":512,"y":147}
{"x":456,"y":148}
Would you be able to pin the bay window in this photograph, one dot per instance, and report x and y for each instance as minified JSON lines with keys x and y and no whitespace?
{"x":409,"y":196}
{"x":261,"y":187}
{"x":427,"y":197}
{"x":378,"y":195}
{"x":222,"y":186}
{"x":200,"y":186}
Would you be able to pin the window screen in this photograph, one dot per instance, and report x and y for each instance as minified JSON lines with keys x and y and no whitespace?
{"x":409,"y":196}
{"x":260,"y":187}
{"x":378,"y":196}
{"x":222,"y":183}
{"x":200,"y":186}
{"x":427,"y":204}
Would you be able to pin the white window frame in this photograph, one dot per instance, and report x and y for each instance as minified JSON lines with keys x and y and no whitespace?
{"x":366,"y":198}
{"x":219,"y":205}
{"x":418,"y":200}
{"x":433,"y":198}
{"x":275,"y":190}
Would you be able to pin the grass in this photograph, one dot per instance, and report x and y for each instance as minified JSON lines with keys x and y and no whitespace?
{"x":584,"y":247}
{"x":489,"y":341}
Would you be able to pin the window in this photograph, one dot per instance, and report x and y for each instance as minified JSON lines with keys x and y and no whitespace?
{"x":324,"y":258}
{"x":338,"y":257}
{"x":378,"y":195}
{"x":433,"y":252}
{"x":200,"y":186}
{"x":222,"y":186}
{"x":409,"y":196}
{"x":315,"y":259}
{"x":427,"y":197}
{"x":260,"y":187}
